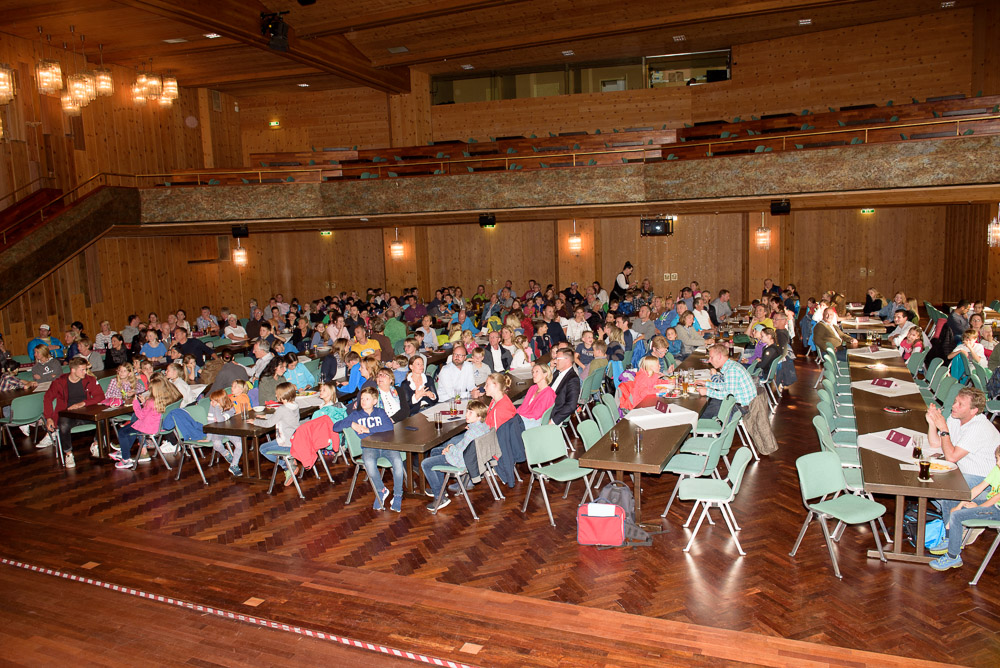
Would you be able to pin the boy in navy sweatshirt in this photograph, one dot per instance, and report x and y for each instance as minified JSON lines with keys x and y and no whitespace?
{"x":369,"y":419}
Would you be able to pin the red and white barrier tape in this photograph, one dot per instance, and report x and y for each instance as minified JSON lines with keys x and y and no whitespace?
{"x":350,"y":642}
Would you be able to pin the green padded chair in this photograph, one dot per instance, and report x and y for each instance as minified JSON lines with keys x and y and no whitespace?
{"x":354,"y":446}
{"x":916,"y":361}
{"x":546,"y":457}
{"x":821,"y":477}
{"x":710,"y":493}
{"x":984,"y":524}
{"x":188,"y":447}
{"x":604,"y":418}
{"x":79,"y":429}
{"x":24,"y":410}
{"x":609,"y":401}
{"x":686,"y":465}
{"x":713,"y":426}
{"x":105,"y":382}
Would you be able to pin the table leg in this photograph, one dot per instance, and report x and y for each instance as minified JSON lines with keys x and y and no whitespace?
{"x":638,"y":498}
{"x":897,"y":554}
{"x":921,"y":524}
{"x":897,"y":530}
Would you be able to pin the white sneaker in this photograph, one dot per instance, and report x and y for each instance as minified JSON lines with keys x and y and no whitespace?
{"x":168,"y":448}
{"x":70,"y":461}
{"x":25,"y":429}
{"x":45,"y":442}
{"x":94,"y":450}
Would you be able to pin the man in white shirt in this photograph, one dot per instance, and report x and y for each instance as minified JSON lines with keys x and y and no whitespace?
{"x":702,"y":317}
{"x":577,"y":326}
{"x":457,"y":378}
{"x":903,"y":325}
{"x":966,"y":438}
{"x":722,"y":308}
{"x":262,"y":351}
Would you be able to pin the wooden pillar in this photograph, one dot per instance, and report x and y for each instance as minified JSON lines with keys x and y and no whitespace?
{"x":985,"y":58}
{"x":205,"y":126}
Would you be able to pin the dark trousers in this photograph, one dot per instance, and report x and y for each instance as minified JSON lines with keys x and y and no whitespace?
{"x":65,"y":424}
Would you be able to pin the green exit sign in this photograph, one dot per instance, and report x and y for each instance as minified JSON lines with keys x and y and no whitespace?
{"x":326,"y":233}
{"x":867,"y":211}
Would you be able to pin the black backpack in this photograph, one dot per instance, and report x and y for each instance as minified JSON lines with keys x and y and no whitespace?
{"x":619,"y":494}
{"x":993,"y":384}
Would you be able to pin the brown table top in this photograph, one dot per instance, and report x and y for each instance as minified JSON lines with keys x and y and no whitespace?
{"x":245,"y":428}
{"x":415,"y":434}
{"x":882,"y":475}
{"x":96,"y":412}
{"x":658,"y":445}
{"x":869,"y":412}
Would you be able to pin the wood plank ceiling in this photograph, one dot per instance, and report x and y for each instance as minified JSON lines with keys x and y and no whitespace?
{"x":341,"y":44}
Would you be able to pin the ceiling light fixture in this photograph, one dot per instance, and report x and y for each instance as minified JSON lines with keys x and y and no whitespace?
{"x":467,"y":66}
{"x":569,"y":52}
{"x":48,"y":73}
{"x":948,"y":4}
{"x":680,"y":38}
{"x":103,"y":78}
{"x":575,"y":241}
{"x":175,"y":40}
{"x":763,"y":235}
{"x":302,"y":85}
{"x":240,"y":256}
{"x":211,"y":35}
{"x":396,"y":247}
{"x":6,"y":83}
{"x":993,"y":230}
{"x":805,"y":22}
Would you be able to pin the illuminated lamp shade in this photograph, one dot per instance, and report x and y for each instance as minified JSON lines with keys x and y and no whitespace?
{"x":48,"y":74}
{"x":138,"y":93}
{"x":240,"y":257}
{"x":169,"y":88}
{"x":763,"y":235}
{"x":82,"y":87}
{"x":154,"y":86}
{"x":993,"y":230}
{"x":104,"y":81}
{"x":6,"y":84}
{"x":70,"y":105}
{"x":396,"y":248}
{"x":165,"y":102}
{"x":575,"y":243}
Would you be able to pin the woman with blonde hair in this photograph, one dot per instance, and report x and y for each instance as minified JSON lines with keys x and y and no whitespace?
{"x":148,"y":416}
{"x":523,"y":356}
{"x":540,"y":397}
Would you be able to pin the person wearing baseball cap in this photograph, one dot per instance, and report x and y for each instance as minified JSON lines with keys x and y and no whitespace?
{"x":43,"y":339}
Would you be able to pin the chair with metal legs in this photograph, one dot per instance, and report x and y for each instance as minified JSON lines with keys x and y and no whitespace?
{"x":547,"y":461}
{"x":709,"y":493}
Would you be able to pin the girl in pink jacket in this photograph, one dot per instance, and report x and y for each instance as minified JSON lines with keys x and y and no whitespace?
{"x":540,"y":397}
{"x":148,"y":416}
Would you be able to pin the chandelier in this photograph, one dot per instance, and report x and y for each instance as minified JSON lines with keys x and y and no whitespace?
{"x":48,"y":73}
{"x":763,"y":235}
{"x":993,"y":230}
{"x":6,"y":84}
{"x":102,"y":77}
{"x":153,"y":87}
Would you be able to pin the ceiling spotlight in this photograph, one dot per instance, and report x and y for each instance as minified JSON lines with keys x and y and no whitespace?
{"x":467,"y":66}
{"x":275,"y":28}
{"x":302,"y":85}
{"x":569,"y":52}
{"x":805,"y":22}
{"x":948,"y":4}
{"x":680,"y":38}
{"x":175,"y":40}
{"x":211,"y":35}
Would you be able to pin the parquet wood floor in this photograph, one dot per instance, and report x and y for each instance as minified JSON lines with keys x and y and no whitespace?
{"x":900,"y":609}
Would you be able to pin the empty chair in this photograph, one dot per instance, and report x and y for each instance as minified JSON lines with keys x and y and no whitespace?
{"x":24,"y":410}
{"x":916,"y":361}
{"x":604,"y":418}
{"x":609,"y":401}
{"x":546,"y":457}
{"x":847,"y":455}
{"x":820,"y":477}
{"x":709,"y":493}
{"x":687,"y":465}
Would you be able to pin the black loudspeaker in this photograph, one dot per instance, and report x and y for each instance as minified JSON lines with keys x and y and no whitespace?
{"x":487,"y":221}
{"x":780,"y":207}
{"x":711,"y":76}
{"x":240,"y":231}
{"x":656,"y":227}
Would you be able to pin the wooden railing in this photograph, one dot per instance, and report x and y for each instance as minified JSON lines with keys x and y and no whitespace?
{"x":13,"y":194}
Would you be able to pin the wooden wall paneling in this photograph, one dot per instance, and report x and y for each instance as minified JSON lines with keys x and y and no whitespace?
{"x":410,"y":114}
{"x":519,"y":252}
{"x":400,"y":272}
{"x":577,"y":267}
{"x":465,"y":256}
{"x":893,"y":60}
{"x":985,"y":58}
{"x":966,"y":254}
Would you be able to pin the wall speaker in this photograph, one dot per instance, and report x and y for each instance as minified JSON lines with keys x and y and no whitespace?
{"x":240,"y":231}
{"x":780,"y":207}
{"x":487,"y":221}
{"x":660,"y":226}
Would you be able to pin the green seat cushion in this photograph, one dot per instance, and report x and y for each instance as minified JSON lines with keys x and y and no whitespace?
{"x":685,"y":463}
{"x":850,"y":509}
{"x":562,"y":471}
{"x":703,"y":489}
{"x":849,"y":456}
{"x":844,"y":423}
{"x":845,"y":438}
{"x":83,"y":428}
{"x":444,"y":468}
{"x":982,"y":524}
{"x":698,"y":445}
{"x":709,"y":426}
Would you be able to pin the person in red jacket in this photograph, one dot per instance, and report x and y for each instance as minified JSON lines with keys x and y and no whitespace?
{"x":501,"y":407}
{"x":73,"y":390}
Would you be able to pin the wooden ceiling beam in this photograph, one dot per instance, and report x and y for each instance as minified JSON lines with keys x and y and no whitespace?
{"x":430,"y":10}
{"x":280,"y":75}
{"x":681,"y":19}
{"x":240,"y":21}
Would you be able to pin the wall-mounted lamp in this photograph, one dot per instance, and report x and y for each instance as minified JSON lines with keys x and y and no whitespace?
{"x":240,"y":256}
{"x":575,"y":241}
{"x":763,"y":235}
{"x":396,"y":247}
{"x":993,"y":230}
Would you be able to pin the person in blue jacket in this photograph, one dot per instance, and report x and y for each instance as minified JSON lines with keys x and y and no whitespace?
{"x":43,"y":339}
{"x":370,"y":419}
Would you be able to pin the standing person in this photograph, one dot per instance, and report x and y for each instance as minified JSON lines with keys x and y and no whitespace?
{"x":622,"y":285}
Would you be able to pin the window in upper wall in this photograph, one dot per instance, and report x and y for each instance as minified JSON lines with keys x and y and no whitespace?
{"x":600,"y":77}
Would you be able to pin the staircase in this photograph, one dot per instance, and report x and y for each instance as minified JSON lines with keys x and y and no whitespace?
{"x":14,"y":221}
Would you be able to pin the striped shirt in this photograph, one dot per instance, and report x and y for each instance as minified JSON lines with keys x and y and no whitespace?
{"x":732,"y":379}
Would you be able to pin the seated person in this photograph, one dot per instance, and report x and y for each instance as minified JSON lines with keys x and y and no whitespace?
{"x":690,"y":338}
{"x":154,"y":350}
{"x":632,"y":392}
{"x":389,"y":399}
{"x":46,"y":367}
{"x":541,"y":342}
{"x":599,"y":363}
{"x":457,"y":377}
{"x":565,"y":384}
{"x":44,"y":339}
{"x":297,"y":374}
{"x":363,"y":346}
{"x":540,"y":396}
{"x":366,"y":420}
{"x":400,"y":369}
{"x":272,"y":376}
{"x":206,"y":322}
{"x":828,"y":335}
{"x":731,"y":379}
{"x":9,"y":382}
{"x":480,"y":369}
{"x":285,"y":420}
{"x":674,"y":345}
{"x":418,"y":389}
{"x":498,"y":358}
{"x":585,"y":350}
{"x":771,"y":353}
{"x":189,"y":346}
{"x":411,"y":348}
{"x":452,"y":452}
{"x":86,"y":350}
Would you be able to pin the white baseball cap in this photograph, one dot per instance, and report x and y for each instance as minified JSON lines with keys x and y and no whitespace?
{"x":45,"y":327}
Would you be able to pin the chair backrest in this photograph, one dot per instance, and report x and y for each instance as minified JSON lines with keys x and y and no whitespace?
{"x":773,"y":371}
{"x":819,"y":475}
{"x":977,"y":382}
{"x":547,"y":415}
{"x":543,"y":444}
{"x":932,"y":367}
{"x":313,"y":367}
{"x":726,"y":408}
{"x":823,"y":433}
{"x":737,"y":468}
{"x":166,"y":411}
{"x":718,"y":446}
{"x":612,"y":405}
{"x":244,"y":360}
{"x":944,"y":387}
{"x":948,"y":399}
{"x":28,"y":407}
{"x":431,"y":370}
{"x":628,"y":358}
{"x":959,"y":368}
{"x":604,"y":419}
{"x":353,"y":444}
{"x":198,"y":412}
{"x":104,"y":382}
{"x":588,"y":386}
{"x":938,"y":376}
{"x":590,"y":432}
{"x":916,"y":361}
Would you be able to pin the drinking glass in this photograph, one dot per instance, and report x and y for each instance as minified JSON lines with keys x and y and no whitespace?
{"x":614,"y":440}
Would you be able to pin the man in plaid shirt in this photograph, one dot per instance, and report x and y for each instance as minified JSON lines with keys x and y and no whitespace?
{"x":732,"y":378}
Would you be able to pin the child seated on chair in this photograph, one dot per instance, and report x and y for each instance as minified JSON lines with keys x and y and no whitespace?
{"x":674,"y":345}
{"x":285,"y":421}
{"x":370,"y":419}
{"x":452,"y":452}
{"x":239,"y":397}
{"x":220,"y":409}
{"x":950,"y":547}
{"x":599,"y":364}
{"x":971,"y":347}
{"x":400,"y":368}
{"x":9,"y":382}
{"x":297,"y":374}
{"x":913,"y":342}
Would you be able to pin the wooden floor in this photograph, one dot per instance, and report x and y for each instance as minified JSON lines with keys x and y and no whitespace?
{"x":527,"y":593}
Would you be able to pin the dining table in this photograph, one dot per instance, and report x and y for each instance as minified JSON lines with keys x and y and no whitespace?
{"x":242,"y":426}
{"x":101,"y":416}
{"x":883,"y":474}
